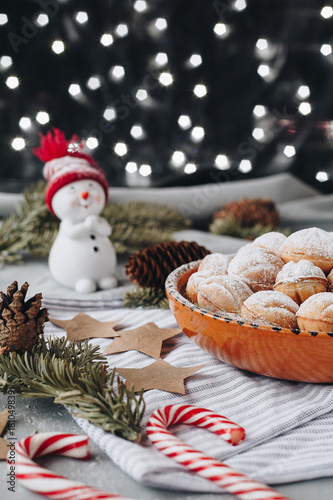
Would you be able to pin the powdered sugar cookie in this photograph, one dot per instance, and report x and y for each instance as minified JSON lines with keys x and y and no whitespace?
{"x":270,"y":308}
{"x":312,"y":244}
{"x":224,"y":294}
{"x":300,"y":280}
{"x":258,"y":267}
{"x":316,"y":313}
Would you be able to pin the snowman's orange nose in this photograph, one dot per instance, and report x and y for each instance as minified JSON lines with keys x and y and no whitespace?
{"x":84,"y":195}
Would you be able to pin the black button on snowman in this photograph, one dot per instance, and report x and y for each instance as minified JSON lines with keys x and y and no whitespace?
{"x":82,"y":256}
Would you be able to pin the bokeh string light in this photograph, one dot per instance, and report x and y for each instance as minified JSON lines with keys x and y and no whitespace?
{"x":166,"y":94}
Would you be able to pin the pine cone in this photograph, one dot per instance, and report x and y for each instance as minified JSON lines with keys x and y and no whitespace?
{"x":21,"y":322}
{"x":150,"y":267}
{"x":248,"y":212}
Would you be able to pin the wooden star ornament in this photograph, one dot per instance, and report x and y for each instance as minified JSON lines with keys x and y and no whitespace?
{"x":147,"y":339}
{"x":83,"y":327}
{"x":159,"y":375}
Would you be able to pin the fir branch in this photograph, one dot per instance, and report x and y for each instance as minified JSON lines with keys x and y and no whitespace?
{"x":134,"y":225}
{"x":146,"y":297}
{"x":127,"y":238}
{"x":10,"y":242}
{"x":74,"y":374}
{"x":140,"y":214}
{"x":32,"y":229}
{"x":231,"y":227}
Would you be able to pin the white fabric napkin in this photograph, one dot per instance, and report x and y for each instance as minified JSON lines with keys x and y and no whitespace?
{"x":289,"y":425}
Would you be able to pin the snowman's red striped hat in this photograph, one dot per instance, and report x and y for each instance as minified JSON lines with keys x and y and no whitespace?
{"x":65,"y":163}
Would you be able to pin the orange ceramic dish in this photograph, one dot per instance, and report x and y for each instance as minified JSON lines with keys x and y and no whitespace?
{"x":271,"y":351}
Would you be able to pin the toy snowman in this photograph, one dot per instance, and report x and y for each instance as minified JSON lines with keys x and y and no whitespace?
{"x":82,"y":256}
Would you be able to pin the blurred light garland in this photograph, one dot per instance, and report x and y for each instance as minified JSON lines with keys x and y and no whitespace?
{"x":164,"y":94}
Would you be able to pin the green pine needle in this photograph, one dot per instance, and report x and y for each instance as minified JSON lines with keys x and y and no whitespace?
{"x":231,"y":227}
{"x":75,"y":374}
{"x":146,"y":297}
{"x":134,"y":225}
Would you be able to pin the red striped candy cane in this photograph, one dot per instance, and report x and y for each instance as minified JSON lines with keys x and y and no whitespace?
{"x":45,"y":482}
{"x":221,"y":474}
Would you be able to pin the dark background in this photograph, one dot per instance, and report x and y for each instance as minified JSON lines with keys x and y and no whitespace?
{"x":294,"y":30}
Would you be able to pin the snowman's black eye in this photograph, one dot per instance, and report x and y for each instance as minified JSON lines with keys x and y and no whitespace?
{"x":72,"y":189}
{"x":91,"y":185}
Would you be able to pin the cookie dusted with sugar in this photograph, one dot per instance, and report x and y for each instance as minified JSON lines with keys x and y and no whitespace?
{"x":194,"y":281}
{"x":256,"y":266}
{"x":223,"y":294}
{"x":300,"y":280}
{"x":316,"y":313}
{"x":218,"y":262}
{"x":270,"y":241}
{"x":270,"y":308}
{"x":312,"y":244}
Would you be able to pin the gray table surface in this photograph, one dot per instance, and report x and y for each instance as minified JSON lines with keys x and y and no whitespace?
{"x":42,"y":415}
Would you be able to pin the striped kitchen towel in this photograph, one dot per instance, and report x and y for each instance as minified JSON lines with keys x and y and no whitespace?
{"x":289,"y":425}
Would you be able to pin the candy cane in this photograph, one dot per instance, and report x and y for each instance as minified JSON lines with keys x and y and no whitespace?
{"x":221,"y":474}
{"x":45,"y":482}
